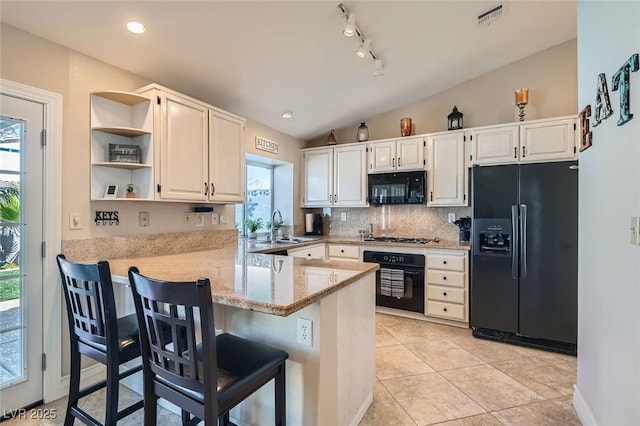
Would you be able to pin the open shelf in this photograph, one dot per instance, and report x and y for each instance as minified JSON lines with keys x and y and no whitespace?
{"x":128,"y":166}
{"x":128,"y":132}
{"x":123,"y":97}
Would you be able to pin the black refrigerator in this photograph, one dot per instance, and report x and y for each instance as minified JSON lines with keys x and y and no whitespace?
{"x":524,"y":263}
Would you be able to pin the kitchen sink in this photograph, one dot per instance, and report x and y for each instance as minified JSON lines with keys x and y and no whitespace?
{"x":294,"y":240}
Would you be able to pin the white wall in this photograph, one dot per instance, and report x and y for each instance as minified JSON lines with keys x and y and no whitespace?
{"x":609,"y":268}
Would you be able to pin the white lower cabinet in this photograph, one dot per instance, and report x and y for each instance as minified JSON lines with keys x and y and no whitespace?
{"x":316,"y":251}
{"x":447,"y":285}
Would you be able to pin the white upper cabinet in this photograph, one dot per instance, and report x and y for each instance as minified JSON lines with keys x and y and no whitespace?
{"x":335,"y":176}
{"x":494,"y":145}
{"x":525,"y":142}
{"x":447,"y":174}
{"x":396,"y":155}
{"x":548,"y":140}
{"x":200,"y":149}
{"x":121,"y":145}
{"x":226,"y":136}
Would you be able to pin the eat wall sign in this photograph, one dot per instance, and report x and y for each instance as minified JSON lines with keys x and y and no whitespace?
{"x":603,"y":110}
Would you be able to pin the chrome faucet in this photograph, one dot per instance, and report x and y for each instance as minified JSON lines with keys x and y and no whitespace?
{"x":274,"y":231}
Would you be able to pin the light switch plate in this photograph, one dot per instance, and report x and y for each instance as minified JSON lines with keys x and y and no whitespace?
{"x":143,"y":218}
{"x":187,"y":218}
{"x":635,"y":230}
{"x":452,"y":217}
{"x":75,"y":220}
{"x":199,"y":219}
{"x":215,"y":218}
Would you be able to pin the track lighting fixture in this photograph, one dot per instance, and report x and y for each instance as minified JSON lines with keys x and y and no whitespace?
{"x":350,"y":29}
{"x":364,"y":49}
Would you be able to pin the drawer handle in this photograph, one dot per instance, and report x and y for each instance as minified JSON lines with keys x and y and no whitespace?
{"x":444,"y":261}
{"x":444,"y":309}
{"x":444,"y":278}
{"x":308,"y":254}
{"x":341,"y":250}
{"x":444,"y":293}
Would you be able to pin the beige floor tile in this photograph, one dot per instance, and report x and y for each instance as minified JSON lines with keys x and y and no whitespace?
{"x":481,"y":420}
{"x":545,"y":413}
{"x":388,"y":320}
{"x":412,"y":331}
{"x":429,"y":398}
{"x":383,"y":338}
{"x":385,"y":410}
{"x":490,"y":388}
{"x":490,"y":351}
{"x":443,"y":355}
{"x":539,"y":375}
{"x":398,"y":361}
{"x":566,"y":362}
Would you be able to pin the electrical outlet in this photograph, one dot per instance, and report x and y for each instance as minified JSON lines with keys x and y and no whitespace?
{"x":215,"y":218}
{"x":143,"y":218}
{"x":75,"y":220}
{"x":305,"y":331}
{"x":223,"y":219}
{"x":343,"y":216}
{"x":199,"y":219}
{"x":187,"y":218}
{"x":635,"y":230}
{"x":452,"y":217}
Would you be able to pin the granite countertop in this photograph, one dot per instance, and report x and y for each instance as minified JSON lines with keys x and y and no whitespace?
{"x":272,"y":284}
{"x":268,"y":247}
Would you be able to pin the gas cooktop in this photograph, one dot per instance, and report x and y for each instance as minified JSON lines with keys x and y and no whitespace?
{"x":404,"y":240}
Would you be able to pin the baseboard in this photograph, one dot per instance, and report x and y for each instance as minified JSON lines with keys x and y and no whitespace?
{"x":363,"y":410}
{"x":88,"y":376}
{"x":582,"y":408}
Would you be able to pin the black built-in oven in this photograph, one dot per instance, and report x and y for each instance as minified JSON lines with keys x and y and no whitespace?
{"x":398,"y":188}
{"x":399,"y":281}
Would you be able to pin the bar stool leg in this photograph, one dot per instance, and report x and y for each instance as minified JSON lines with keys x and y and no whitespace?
{"x":280,"y":403}
{"x":74,"y":386}
{"x":111,"y":416}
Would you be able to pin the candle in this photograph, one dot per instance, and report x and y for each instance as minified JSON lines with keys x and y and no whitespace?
{"x":522,"y":96}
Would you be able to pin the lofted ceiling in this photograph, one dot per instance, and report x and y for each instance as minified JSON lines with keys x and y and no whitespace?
{"x":259,"y":58}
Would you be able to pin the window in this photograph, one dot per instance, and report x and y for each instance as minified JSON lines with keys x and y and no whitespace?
{"x":259,"y":196}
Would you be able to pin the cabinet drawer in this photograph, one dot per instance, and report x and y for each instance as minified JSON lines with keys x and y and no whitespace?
{"x":345,"y":251}
{"x":454,"y":279}
{"x":309,"y":252}
{"x":446,"y":310}
{"x":443,"y":261}
{"x":445,"y":294}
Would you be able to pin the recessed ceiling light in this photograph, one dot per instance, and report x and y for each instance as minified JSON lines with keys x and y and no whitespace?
{"x":135,"y":27}
{"x":286,"y":114}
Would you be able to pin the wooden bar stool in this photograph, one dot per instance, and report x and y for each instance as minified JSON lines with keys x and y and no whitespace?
{"x":204,"y":379}
{"x":98,"y":333}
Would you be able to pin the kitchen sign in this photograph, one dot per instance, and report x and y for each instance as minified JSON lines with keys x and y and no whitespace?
{"x":265,"y":145}
{"x":619,"y":82}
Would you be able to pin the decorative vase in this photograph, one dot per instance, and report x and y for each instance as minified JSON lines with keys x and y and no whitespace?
{"x":405,"y":126}
{"x":363,"y":133}
{"x":252,"y":235}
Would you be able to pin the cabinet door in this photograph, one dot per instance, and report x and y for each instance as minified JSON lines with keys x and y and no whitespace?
{"x":184,"y":170}
{"x":446,"y":175}
{"x":410,"y":154}
{"x":548,"y":141}
{"x":495,"y":146}
{"x":349,"y":176}
{"x":226,"y":137}
{"x":382,"y":157}
{"x":318,"y":177}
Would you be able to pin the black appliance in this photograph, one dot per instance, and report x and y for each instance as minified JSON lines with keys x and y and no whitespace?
{"x":399,"y":281}
{"x":318,"y":225}
{"x":524,"y":265}
{"x":398,"y":188}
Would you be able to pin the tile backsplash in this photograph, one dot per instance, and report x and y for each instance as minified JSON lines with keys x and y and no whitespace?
{"x":395,"y":221}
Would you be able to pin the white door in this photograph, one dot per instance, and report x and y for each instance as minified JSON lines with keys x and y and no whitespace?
{"x":226,"y":139}
{"x":497,"y":145}
{"x":382,"y":157}
{"x":21,"y":262}
{"x":410,"y":154}
{"x":318,"y":177}
{"x":548,"y":141}
{"x":446,"y":173}
{"x":350,"y":176}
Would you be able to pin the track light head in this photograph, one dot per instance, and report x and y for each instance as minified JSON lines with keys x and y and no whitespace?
{"x":378,"y":69}
{"x":349,"y":29}
{"x":364,"y":48}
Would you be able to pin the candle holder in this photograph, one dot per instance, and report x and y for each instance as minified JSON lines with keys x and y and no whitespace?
{"x":405,"y":126}
{"x":522,"y":98}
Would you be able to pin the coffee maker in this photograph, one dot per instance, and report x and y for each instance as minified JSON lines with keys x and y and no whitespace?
{"x":464,"y":229}
{"x":318,"y":225}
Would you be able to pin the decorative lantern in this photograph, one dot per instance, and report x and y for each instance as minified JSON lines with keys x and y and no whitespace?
{"x":455,"y":119}
{"x":363,"y":133}
{"x":331,"y":140}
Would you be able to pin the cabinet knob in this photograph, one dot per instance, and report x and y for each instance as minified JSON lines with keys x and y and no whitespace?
{"x":444,"y":309}
{"x":444,"y":262}
{"x":444,"y":278}
{"x":444,"y":293}
{"x":341,"y":250}
{"x":309,"y":254}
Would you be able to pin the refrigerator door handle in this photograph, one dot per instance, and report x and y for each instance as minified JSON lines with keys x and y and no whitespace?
{"x":514,"y":241}
{"x":523,"y":241}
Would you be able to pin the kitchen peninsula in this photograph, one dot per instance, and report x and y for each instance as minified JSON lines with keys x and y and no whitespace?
{"x":330,"y":375}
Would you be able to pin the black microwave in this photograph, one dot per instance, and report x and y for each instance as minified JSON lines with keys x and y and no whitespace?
{"x":398,"y":188}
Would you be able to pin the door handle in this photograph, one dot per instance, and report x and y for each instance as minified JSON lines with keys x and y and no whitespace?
{"x":523,"y":241}
{"x":398,"y":161}
{"x":213,"y":188}
{"x":514,"y":241}
{"x":515,"y":152}
{"x":393,"y":162}
{"x":206,"y":188}
{"x":524,"y":151}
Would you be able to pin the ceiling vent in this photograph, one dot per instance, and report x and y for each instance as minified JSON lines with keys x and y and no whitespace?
{"x":489,"y":16}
